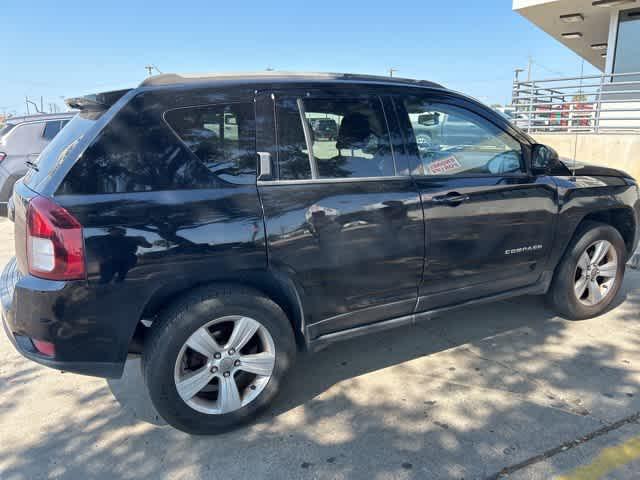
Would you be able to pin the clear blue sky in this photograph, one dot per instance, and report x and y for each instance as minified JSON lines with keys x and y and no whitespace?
{"x":67,"y":48}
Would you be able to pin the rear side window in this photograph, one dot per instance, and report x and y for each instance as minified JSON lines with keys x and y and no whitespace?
{"x":348,"y":138}
{"x":51,"y":129}
{"x":139,"y":151}
{"x":223,"y":137}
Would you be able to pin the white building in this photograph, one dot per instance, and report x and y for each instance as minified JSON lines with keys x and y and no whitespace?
{"x":594,"y":117}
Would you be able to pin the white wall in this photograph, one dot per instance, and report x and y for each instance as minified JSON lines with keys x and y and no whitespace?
{"x":611,"y":150}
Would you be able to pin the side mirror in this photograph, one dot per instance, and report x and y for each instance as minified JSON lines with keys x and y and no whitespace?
{"x":544,"y":158}
{"x":429,"y":119}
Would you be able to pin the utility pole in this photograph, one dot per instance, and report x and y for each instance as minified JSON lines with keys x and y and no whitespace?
{"x":392,"y":70}
{"x":35,"y":105}
{"x":515,"y":93}
{"x":151,"y":67}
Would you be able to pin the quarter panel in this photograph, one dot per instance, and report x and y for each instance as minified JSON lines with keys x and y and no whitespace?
{"x":139,"y":243}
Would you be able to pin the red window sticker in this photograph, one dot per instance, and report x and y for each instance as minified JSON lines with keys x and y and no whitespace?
{"x":443,"y":165}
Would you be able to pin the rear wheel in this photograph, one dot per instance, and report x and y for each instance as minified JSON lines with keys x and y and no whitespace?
{"x":590,"y":273}
{"x":215,"y":360}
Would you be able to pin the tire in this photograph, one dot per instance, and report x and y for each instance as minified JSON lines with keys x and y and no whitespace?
{"x":226,"y":308}
{"x":562,"y":295}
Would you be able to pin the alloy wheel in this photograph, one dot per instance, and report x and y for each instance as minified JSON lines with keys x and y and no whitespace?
{"x":596,"y":273}
{"x":224,"y":365}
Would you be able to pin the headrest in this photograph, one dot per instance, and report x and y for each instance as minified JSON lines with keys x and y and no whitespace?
{"x":354,"y":131}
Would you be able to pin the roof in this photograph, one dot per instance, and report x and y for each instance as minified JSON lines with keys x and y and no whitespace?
{"x":168,"y":79}
{"x":589,"y":24}
{"x":39,"y":116}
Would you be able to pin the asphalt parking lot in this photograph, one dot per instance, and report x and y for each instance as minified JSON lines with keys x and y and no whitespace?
{"x":503,"y":389}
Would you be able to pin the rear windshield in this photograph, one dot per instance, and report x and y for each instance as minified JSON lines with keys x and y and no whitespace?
{"x":55,"y":152}
{"x":5,"y":129}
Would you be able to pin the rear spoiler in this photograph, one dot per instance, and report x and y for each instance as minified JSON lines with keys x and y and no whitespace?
{"x":96,"y":101}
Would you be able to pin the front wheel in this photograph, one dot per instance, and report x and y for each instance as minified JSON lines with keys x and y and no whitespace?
{"x":215,"y":360}
{"x":590,"y":273}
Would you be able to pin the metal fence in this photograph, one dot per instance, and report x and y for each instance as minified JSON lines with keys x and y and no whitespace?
{"x":588,"y":104}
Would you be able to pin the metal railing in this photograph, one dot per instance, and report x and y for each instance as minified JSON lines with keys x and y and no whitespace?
{"x":608,"y":103}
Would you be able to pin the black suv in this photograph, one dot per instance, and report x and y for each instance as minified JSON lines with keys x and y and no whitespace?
{"x":199,"y":222}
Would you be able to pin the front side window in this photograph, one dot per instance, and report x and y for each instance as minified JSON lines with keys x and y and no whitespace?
{"x":348,"y":138}
{"x":449,"y":140}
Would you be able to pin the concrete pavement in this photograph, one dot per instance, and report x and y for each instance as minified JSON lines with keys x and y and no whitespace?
{"x":506,"y":387}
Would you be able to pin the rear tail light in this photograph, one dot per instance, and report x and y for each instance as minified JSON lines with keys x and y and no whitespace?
{"x":45,"y":348}
{"x":2,"y":156}
{"x":55,"y":249}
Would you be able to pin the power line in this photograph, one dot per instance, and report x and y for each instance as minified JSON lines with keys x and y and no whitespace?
{"x":151,"y":67}
{"x":535,"y":62}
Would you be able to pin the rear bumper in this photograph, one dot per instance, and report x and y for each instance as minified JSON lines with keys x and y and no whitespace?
{"x":25,"y":347}
{"x":37,"y":308}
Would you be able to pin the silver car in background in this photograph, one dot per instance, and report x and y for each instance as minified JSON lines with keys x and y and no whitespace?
{"x":21,"y":141}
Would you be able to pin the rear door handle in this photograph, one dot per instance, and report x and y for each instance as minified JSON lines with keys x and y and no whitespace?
{"x":451,"y":198}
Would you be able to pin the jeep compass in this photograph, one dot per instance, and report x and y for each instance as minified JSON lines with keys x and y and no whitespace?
{"x":216,"y":226}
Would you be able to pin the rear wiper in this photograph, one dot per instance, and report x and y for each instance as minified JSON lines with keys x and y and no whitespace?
{"x":32,"y":165}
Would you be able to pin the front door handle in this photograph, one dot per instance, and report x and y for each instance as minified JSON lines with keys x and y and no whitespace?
{"x":451,"y":198}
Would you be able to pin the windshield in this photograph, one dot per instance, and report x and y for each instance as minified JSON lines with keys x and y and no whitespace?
{"x":56,"y":151}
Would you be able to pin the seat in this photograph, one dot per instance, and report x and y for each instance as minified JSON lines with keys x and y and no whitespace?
{"x":356,"y":133}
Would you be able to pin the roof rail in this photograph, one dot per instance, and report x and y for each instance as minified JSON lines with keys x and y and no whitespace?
{"x":175,"y":79}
